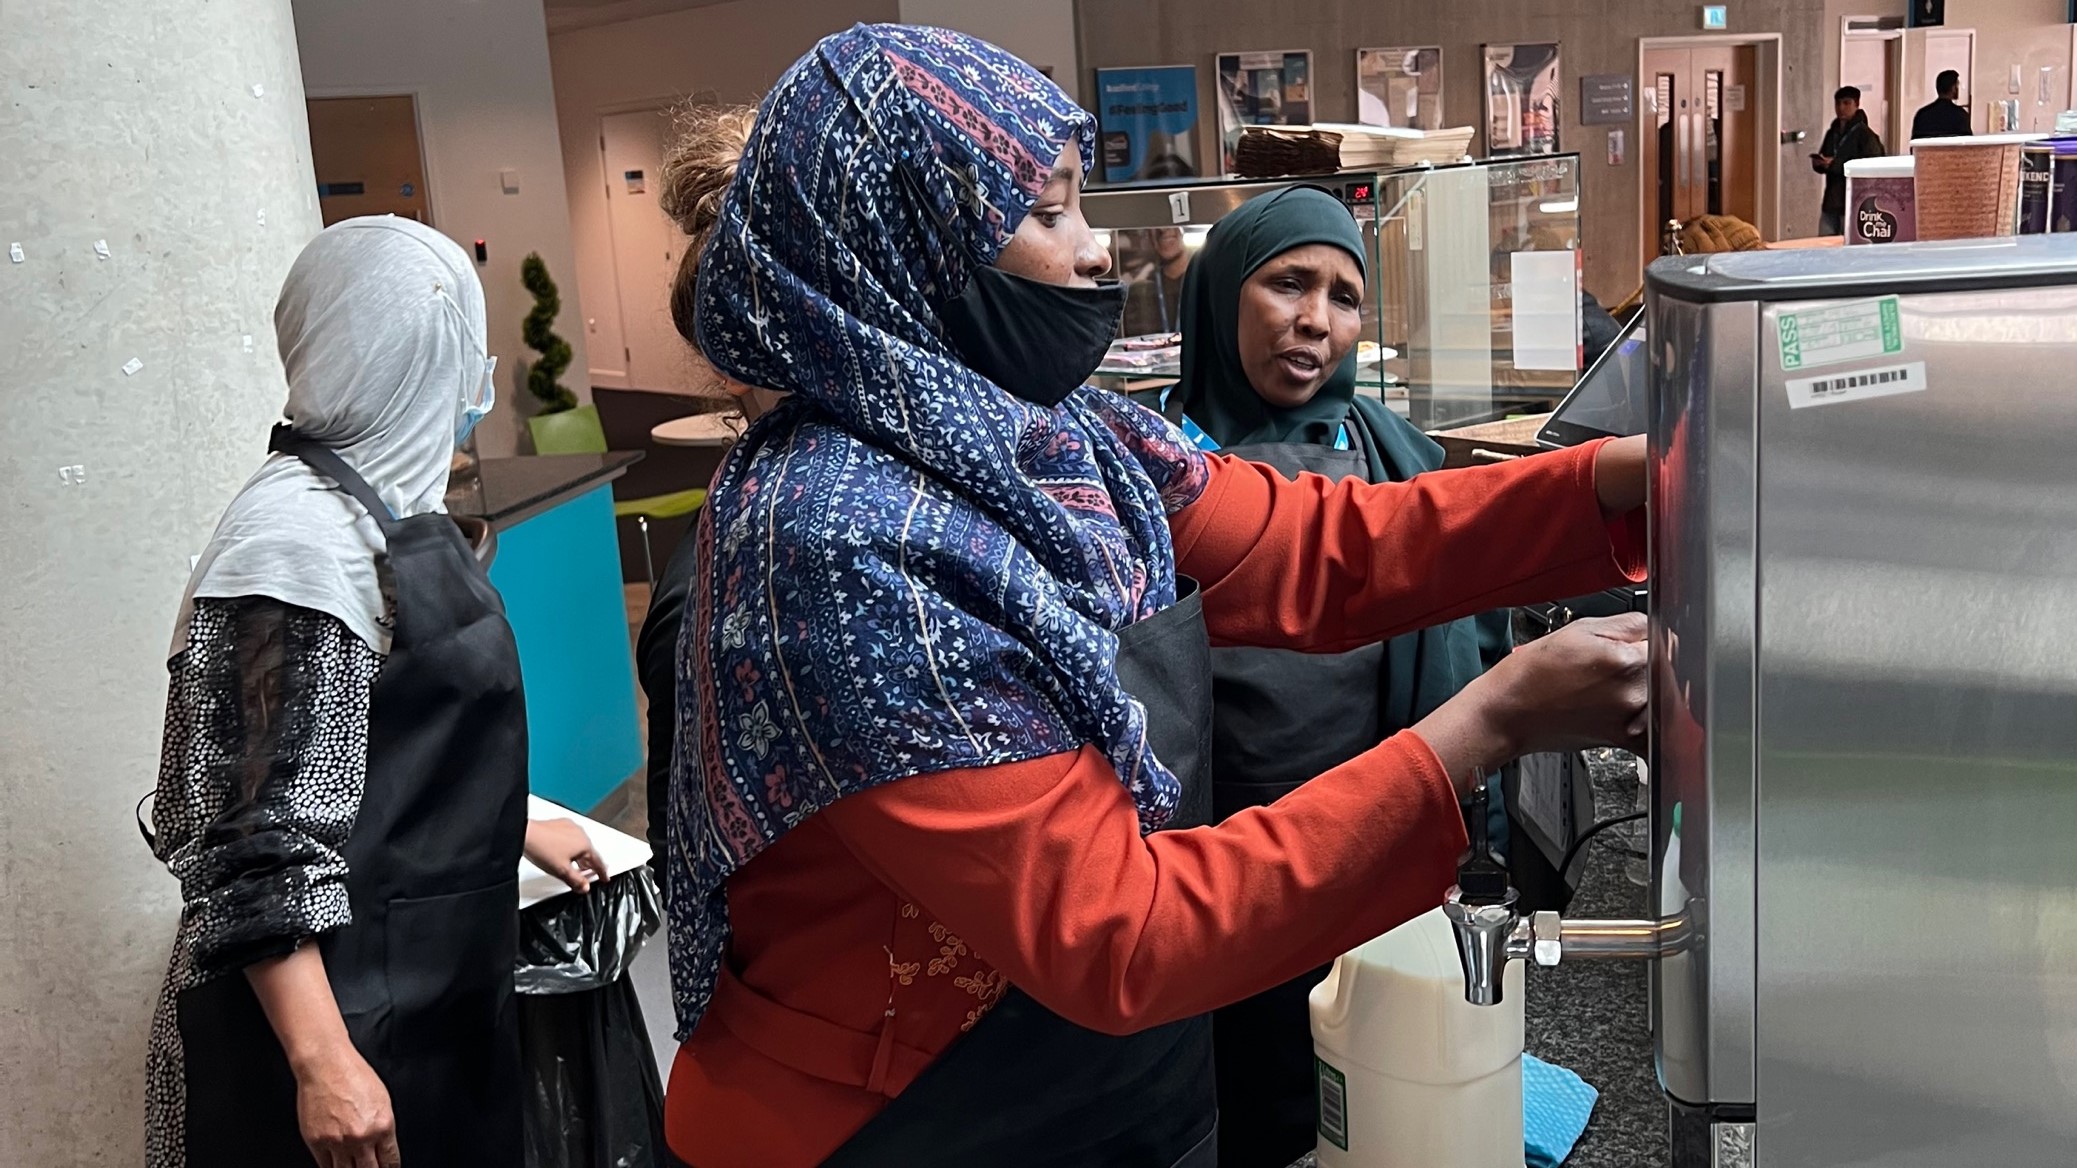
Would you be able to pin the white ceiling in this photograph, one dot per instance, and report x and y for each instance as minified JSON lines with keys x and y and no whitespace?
{"x":564,"y":15}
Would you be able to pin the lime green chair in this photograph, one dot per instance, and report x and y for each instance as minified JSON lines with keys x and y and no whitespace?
{"x":578,"y":431}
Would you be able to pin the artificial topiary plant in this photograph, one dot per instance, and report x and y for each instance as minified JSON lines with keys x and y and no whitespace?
{"x":544,"y":379}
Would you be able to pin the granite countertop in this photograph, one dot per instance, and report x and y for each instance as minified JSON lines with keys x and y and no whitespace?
{"x":1594,"y":1017}
{"x":510,"y":490}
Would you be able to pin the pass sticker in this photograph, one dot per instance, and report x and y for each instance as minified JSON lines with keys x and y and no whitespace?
{"x":1857,"y":385}
{"x":1862,"y":331}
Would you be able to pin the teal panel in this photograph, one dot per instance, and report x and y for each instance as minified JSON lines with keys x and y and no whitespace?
{"x":560,"y":575}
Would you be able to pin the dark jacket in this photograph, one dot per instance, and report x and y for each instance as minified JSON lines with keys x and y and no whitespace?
{"x":656,"y":666}
{"x":1847,"y":141}
{"x":1940,"y":118}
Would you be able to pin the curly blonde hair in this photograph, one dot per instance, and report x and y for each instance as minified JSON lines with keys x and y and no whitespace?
{"x":707,"y":141}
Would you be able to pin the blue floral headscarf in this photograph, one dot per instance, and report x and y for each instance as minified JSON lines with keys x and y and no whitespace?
{"x":903,"y":569}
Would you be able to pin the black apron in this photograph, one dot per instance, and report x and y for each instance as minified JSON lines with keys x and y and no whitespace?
{"x":423,"y":975}
{"x":1028,"y":1089}
{"x":1285,"y":717}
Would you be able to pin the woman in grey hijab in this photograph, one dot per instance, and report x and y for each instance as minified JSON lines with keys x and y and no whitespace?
{"x":343,"y":779}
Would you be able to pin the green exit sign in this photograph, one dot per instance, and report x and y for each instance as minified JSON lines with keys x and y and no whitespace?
{"x":1716,"y":17}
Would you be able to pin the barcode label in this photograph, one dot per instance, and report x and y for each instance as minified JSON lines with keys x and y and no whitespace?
{"x":1334,"y":1106}
{"x":1857,"y":385}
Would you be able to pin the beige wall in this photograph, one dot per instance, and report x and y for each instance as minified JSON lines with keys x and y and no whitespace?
{"x":731,"y":52}
{"x":2032,"y":34}
{"x":1596,"y":38}
{"x":480,"y":73}
{"x":726,"y":52}
{"x":1042,"y":32}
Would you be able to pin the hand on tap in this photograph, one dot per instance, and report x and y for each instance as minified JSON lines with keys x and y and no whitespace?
{"x":1584,"y":685}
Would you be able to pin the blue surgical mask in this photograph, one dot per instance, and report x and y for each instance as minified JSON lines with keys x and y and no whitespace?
{"x":479,"y":404}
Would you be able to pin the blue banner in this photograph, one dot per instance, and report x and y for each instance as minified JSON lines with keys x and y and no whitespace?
{"x":1148,"y":120}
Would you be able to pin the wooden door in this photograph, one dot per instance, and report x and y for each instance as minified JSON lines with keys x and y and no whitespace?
{"x":366,"y":154}
{"x":1724,"y":136}
{"x":1700,"y":142}
{"x":1868,"y":61}
{"x":1663,"y":143}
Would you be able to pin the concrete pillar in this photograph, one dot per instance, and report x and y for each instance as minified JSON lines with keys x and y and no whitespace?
{"x":155,"y":174}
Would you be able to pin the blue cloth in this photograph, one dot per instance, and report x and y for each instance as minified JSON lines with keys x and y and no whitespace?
{"x":1555,"y":1107}
{"x":904,"y":569}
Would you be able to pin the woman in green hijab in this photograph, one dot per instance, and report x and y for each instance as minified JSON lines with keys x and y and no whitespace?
{"x":1271,"y":312}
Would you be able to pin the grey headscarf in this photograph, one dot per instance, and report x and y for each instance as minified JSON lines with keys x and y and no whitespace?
{"x":381,"y":330}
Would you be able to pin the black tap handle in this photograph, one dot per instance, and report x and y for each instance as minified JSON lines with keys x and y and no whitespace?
{"x":1481,"y":878}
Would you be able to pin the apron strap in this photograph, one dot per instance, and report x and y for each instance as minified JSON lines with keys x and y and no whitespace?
{"x":150,"y":841}
{"x":1172,"y":406}
{"x":327,"y":462}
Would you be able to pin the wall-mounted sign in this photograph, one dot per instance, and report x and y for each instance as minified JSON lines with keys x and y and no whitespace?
{"x":1261,"y":89}
{"x":635,"y":183}
{"x":1149,"y":122}
{"x":1521,"y":99}
{"x":1400,"y":87}
{"x":1607,"y":99}
{"x":1716,"y":17}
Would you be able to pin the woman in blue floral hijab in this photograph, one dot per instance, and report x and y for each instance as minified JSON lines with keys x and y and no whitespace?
{"x":921,"y":566}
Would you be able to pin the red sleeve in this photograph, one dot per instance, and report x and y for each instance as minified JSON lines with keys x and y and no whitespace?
{"x":1042,"y":868}
{"x":1329,"y":565}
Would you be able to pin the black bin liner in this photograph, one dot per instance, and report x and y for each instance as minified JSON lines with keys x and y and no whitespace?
{"x":594,"y":1098}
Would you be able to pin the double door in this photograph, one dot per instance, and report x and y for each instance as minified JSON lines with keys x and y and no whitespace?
{"x":1701,"y":117}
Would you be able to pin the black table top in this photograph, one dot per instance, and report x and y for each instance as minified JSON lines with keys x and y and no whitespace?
{"x":511,"y":490}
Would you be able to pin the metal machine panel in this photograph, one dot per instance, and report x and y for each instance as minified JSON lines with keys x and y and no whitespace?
{"x":1917,"y":795}
{"x":1702,"y":442}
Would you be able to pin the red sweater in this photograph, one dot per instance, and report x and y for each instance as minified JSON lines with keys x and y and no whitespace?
{"x":870,"y":937}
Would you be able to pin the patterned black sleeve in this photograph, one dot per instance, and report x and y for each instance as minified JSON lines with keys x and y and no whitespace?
{"x":265,"y":759}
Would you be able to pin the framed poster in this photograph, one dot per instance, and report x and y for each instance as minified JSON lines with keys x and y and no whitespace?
{"x":1400,"y":87}
{"x":1521,"y":99}
{"x":1262,"y":89}
{"x":1147,"y":122}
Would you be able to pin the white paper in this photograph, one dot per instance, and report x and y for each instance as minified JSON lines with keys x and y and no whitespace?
{"x":259,"y":91}
{"x":1734,"y":98}
{"x":1179,"y":207}
{"x":101,"y":248}
{"x":131,"y":367}
{"x":1545,"y":295}
{"x":14,"y":252}
{"x":263,"y":216}
{"x":618,"y":850}
{"x":1848,"y":385}
{"x":245,"y":342}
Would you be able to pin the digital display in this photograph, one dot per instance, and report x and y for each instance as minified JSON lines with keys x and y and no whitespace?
{"x":1611,"y":399}
{"x":1357,"y":192}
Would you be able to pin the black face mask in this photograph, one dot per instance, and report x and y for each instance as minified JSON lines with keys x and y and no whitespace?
{"x":1037,"y":341}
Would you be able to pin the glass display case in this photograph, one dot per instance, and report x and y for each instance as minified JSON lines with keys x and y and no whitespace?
{"x":1473,"y":308}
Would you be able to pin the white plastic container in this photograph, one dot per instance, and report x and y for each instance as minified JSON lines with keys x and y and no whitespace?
{"x":1412,"y":1075}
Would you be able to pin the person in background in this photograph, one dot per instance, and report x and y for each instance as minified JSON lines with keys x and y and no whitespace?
{"x":1272,"y":310}
{"x":945,"y":890}
{"x":1154,"y":299}
{"x":1944,"y":116}
{"x":342,"y":788}
{"x":1850,"y":139}
{"x":697,"y":168}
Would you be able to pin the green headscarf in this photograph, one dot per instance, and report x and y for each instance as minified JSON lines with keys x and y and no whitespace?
{"x":1214,"y":389}
{"x":1422,"y":669}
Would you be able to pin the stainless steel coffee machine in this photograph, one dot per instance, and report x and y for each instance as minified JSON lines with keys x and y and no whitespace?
{"x":1864,"y":756}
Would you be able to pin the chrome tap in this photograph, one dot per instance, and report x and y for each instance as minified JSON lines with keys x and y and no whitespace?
{"x":1490,"y":932}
